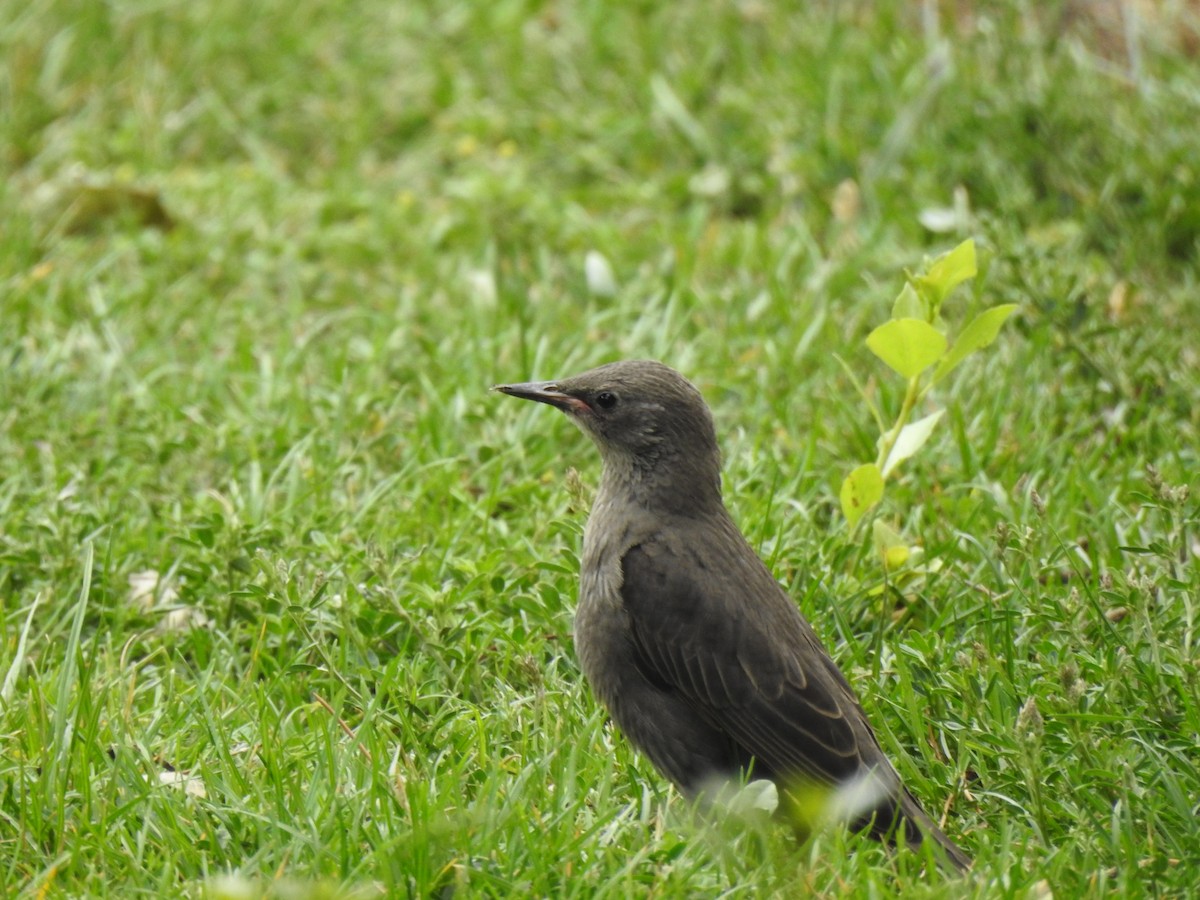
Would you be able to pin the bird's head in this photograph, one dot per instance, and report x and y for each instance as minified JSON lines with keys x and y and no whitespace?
{"x":650,"y":423}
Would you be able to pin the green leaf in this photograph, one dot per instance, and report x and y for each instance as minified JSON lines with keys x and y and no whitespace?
{"x":950,"y":270}
{"x":909,"y":346}
{"x":675,"y":111}
{"x":911,"y":438}
{"x":978,"y":334}
{"x":908,"y":304}
{"x":861,"y":490}
{"x":893,"y":550}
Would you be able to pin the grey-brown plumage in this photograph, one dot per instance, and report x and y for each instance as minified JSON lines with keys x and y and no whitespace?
{"x":685,"y":636}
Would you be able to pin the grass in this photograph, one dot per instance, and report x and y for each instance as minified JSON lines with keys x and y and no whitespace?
{"x":261,"y":263}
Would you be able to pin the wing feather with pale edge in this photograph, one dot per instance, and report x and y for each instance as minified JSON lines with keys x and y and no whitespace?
{"x":724,"y":635}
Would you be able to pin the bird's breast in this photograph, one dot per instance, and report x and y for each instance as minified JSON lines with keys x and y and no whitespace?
{"x":602,"y":635}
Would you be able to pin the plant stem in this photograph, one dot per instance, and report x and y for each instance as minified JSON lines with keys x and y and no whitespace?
{"x":911,"y":396}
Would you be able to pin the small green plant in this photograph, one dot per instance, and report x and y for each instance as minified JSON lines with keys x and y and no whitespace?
{"x":914,"y":345}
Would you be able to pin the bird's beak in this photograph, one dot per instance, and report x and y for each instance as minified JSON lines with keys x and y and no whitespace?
{"x":543,"y":392}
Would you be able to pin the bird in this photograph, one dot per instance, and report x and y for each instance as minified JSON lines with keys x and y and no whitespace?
{"x":686,"y":638}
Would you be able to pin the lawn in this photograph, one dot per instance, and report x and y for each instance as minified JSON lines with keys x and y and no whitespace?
{"x":286,"y":594}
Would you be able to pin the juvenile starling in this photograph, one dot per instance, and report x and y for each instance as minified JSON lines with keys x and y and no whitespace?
{"x":693,"y":647}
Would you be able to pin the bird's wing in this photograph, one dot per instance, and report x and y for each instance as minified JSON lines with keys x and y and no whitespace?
{"x":709,"y":622}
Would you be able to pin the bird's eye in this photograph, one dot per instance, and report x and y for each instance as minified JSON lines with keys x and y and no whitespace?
{"x":606,"y":399}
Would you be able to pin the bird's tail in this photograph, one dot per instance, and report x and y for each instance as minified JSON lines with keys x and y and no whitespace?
{"x":918,"y":827}
{"x":876,"y":803}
